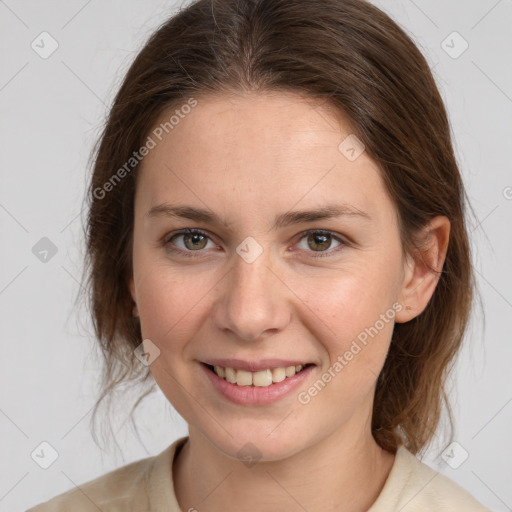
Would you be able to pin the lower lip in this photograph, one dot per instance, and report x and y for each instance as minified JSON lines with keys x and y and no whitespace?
{"x":256,"y":395}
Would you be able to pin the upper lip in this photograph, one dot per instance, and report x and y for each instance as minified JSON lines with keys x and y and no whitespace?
{"x":254,"y":366}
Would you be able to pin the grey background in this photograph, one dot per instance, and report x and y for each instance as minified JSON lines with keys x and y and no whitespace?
{"x":51,"y":113}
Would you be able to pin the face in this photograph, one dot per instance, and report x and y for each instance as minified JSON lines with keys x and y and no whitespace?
{"x":254,"y":289}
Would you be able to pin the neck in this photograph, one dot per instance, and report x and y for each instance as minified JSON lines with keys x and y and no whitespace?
{"x":349,"y":470}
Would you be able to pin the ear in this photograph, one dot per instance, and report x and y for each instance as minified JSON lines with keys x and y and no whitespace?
{"x":422,"y":270}
{"x":132,"y":291}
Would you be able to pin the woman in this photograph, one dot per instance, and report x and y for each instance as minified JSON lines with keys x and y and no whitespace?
{"x":276,"y":235}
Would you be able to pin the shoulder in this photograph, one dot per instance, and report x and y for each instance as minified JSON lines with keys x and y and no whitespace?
{"x":125,"y":488}
{"x":413,"y":486}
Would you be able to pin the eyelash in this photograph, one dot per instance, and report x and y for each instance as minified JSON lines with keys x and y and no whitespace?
{"x":166,"y":241}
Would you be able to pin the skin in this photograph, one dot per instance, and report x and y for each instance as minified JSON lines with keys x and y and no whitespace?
{"x":249,"y":157}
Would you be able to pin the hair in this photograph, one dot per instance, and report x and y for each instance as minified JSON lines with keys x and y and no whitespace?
{"x":355,"y":58}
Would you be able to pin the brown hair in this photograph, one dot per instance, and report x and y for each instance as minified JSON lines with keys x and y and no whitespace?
{"x":356,"y":58}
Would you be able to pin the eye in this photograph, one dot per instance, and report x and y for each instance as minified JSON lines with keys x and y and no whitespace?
{"x":194,"y":240}
{"x":320,"y":241}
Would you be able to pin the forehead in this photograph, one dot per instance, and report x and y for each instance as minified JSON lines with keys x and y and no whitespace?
{"x":257,"y":151}
{"x":262,"y":123}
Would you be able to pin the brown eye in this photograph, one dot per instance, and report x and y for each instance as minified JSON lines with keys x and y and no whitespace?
{"x":192,"y":241}
{"x":320,"y":242}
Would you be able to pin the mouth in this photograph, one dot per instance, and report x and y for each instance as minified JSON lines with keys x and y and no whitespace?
{"x":261,"y":378}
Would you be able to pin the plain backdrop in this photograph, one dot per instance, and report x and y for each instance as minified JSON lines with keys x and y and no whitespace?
{"x":51,"y":112}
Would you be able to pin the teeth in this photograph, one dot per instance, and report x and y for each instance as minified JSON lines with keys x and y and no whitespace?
{"x":230,"y":375}
{"x":278,"y":374}
{"x":290,"y":371}
{"x":243,"y":378}
{"x":261,"y":378}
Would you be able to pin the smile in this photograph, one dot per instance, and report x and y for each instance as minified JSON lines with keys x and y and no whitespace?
{"x":268,"y":382}
{"x":262,"y":378}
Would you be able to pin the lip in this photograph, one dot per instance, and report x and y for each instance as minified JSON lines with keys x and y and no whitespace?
{"x":254,"y":395}
{"x":254,"y":366}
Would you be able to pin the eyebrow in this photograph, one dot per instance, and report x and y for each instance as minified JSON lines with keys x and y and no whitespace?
{"x":286,"y":219}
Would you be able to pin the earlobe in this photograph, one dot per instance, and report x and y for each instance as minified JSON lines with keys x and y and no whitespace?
{"x":423,"y":271}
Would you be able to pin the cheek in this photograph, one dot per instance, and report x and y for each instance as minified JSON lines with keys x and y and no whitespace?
{"x":348,"y":302}
{"x":355,"y":331}
{"x":352,"y":315}
{"x":168,"y":302}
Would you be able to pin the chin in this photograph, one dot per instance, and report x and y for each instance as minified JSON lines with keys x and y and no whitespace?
{"x":250,"y":444}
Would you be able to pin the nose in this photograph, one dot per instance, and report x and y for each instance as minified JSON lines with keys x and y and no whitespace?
{"x":253,"y":302}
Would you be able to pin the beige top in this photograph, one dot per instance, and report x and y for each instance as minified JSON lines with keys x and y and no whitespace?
{"x":147,"y":486}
